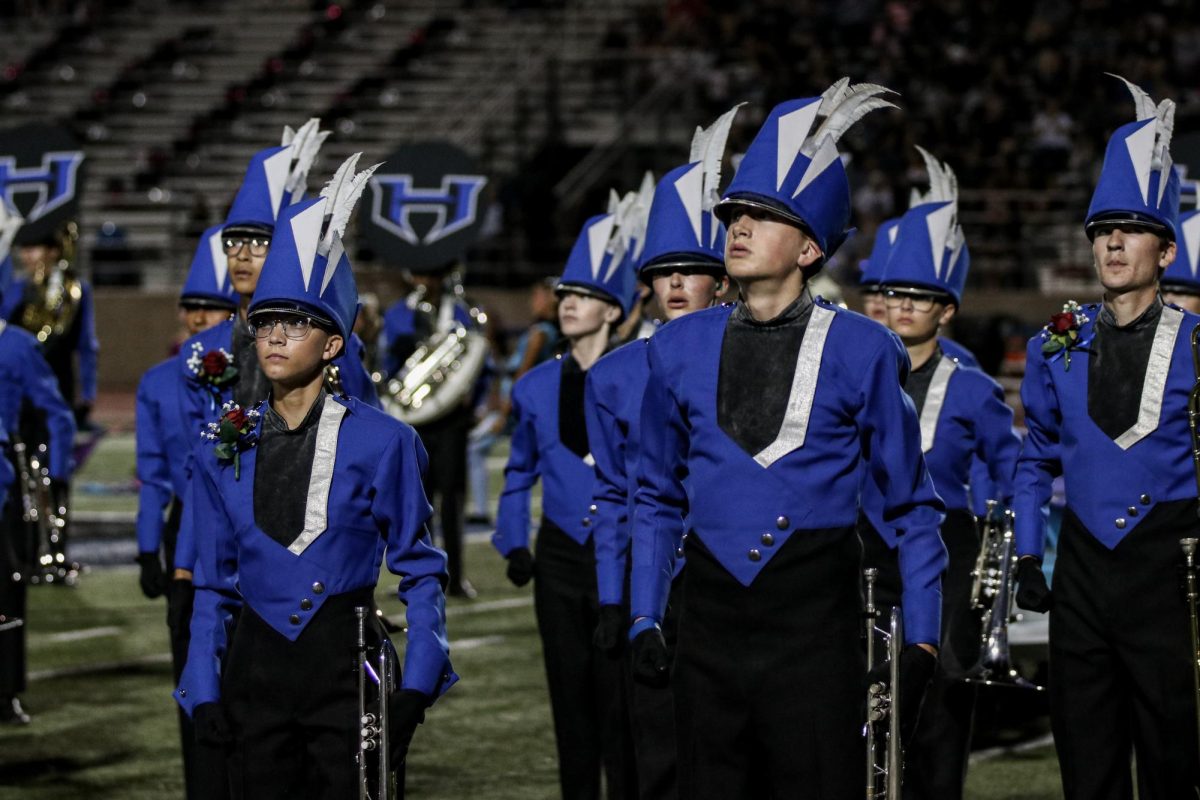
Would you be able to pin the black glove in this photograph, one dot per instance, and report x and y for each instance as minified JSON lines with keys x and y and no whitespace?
{"x":610,"y":629}
{"x":917,"y":666}
{"x":1033,"y":594}
{"x":650,"y":662}
{"x":211,"y":724}
{"x":180,"y":596}
{"x":520,"y":566}
{"x":152,"y":578}
{"x":83,"y":416}
{"x":406,"y":710}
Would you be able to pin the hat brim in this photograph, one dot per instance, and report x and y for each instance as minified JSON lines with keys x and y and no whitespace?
{"x":674,"y":261}
{"x":1180,"y":288}
{"x":247,"y":228}
{"x":298,"y":309}
{"x":206,"y":302}
{"x":919,"y":288}
{"x":1131,"y":218}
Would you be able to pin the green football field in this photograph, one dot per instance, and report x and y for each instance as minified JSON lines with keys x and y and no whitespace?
{"x":104,"y":721}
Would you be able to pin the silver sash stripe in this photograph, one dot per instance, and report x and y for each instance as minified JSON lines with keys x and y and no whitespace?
{"x":316,"y":510}
{"x":935,"y":398}
{"x":1156,"y":379}
{"x":804,"y":387}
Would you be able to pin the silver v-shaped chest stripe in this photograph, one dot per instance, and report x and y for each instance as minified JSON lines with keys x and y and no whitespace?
{"x":935,"y":398}
{"x":804,"y":387}
{"x":1156,"y":379}
{"x":316,"y":510}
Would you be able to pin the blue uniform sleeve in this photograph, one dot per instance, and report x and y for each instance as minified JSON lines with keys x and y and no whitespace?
{"x":660,"y":501}
{"x":153,"y":472}
{"x":402,"y":512}
{"x":217,"y":597}
{"x":520,"y":474}
{"x":1040,"y":461}
{"x":996,"y":445}
{"x":353,"y":372}
{"x":88,"y":347}
{"x":41,"y":389}
{"x":610,"y":492}
{"x":891,"y":436}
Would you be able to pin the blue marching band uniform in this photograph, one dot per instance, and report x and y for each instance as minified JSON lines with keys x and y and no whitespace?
{"x":1109,"y":414}
{"x":26,"y":381}
{"x":292,"y":550}
{"x":963,"y":422}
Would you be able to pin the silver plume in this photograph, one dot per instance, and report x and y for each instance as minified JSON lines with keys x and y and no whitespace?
{"x":341,"y":195}
{"x":846,"y":107}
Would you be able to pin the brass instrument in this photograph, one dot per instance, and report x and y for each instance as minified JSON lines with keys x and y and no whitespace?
{"x":54,"y":293}
{"x":333,"y":380}
{"x":441,"y":373}
{"x":376,"y":682}
{"x":1189,"y":544}
{"x":45,"y":514}
{"x":992,"y":593}
{"x":885,"y":763}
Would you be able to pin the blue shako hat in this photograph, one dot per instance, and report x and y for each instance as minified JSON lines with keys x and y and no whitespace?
{"x":1184,"y":273}
{"x":307,"y":268}
{"x":275,"y":179}
{"x":682,"y":229}
{"x":1137,"y":183}
{"x":872,"y":266}
{"x":598,"y":265}
{"x":208,"y":281}
{"x":930,"y":250}
{"x":793,"y":166}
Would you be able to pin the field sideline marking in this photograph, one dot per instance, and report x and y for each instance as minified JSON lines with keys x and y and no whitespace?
{"x":80,"y":635}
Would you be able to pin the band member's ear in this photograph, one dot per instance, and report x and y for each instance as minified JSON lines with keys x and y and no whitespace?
{"x":947,"y":314}
{"x":810,"y":252}
{"x":1166,"y":255}
{"x":612,"y":313}
{"x":333,"y":346}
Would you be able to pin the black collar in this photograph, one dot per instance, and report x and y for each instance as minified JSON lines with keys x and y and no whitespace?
{"x":796,"y":313}
{"x":1145,"y":319}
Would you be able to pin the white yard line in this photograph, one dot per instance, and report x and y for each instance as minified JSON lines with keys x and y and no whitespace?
{"x":78,"y":636}
{"x":459,"y":645}
{"x":996,"y":752}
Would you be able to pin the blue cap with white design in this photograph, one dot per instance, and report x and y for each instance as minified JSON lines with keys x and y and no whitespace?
{"x":1182,"y":275}
{"x":275,"y":179}
{"x":307,"y":269}
{"x":208,"y":281}
{"x":599,"y":264}
{"x":793,"y":167}
{"x":930,"y":250}
{"x":872,"y":266}
{"x":1138,"y":185}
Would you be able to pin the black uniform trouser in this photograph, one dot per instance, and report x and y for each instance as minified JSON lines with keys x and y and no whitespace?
{"x":446,"y":481}
{"x":293,"y":706}
{"x":652,"y":718}
{"x":1120,"y":670}
{"x":16,"y":556}
{"x":591,"y":729}
{"x":936,"y":759}
{"x":770,"y":679}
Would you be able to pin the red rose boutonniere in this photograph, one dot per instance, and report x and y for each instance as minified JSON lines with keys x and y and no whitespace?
{"x":214,"y":368}
{"x":1061,"y":334}
{"x":234,"y":432}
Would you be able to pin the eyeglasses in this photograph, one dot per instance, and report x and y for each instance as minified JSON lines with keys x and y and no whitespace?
{"x":258,"y":246}
{"x":293,"y":327}
{"x":894,"y":298}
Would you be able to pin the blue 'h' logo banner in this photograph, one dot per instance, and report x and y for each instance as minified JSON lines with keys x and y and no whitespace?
{"x":453,"y":204}
{"x":52,"y":184}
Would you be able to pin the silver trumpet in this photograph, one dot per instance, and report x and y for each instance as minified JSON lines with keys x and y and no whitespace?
{"x":376,"y":780}
{"x":45,"y":515}
{"x":885,"y":762}
{"x":992,"y":594}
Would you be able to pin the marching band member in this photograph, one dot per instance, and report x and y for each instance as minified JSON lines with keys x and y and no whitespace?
{"x":871,"y":274}
{"x":26,"y":380}
{"x":430,"y":309}
{"x":551,"y":442}
{"x":682,"y":262}
{"x":763,"y":416}
{"x":1106,"y":395}
{"x":962,"y":418}
{"x":293,"y":509}
{"x":1180,"y":281}
{"x":219,"y":364}
{"x":162,"y":434}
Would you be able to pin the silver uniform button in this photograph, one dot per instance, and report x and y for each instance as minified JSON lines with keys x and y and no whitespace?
{"x":755,"y":555}
{"x":183,"y":692}
{"x":1145,"y":499}
{"x":294,"y":619}
{"x":592,"y":508}
{"x":306,"y":604}
{"x":318,"y":588}
{"x":768,"y":539}
{"x":587,"y":523}
{"x":679,"y":552}
{"x":1133,"y":512}
{"x":1120,"y":523}
{"x":782,"y":523}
